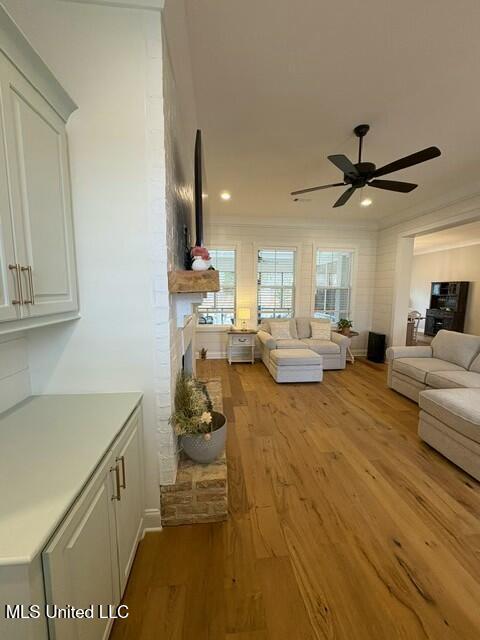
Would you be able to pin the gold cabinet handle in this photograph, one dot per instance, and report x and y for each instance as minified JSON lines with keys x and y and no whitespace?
{"x":28,"y":271}
{"x":124,"y":478}
{"x":30,"y":279}
{"x":18,"y":280}
{"x":116,"y":496}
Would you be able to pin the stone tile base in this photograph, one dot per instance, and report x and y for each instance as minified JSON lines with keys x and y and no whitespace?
{"x":200,"y":493}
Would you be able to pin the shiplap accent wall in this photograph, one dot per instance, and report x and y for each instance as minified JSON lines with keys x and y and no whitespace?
{"x":393,"y":271}
{"x":14,"y":372}
{"x":246,"y":239}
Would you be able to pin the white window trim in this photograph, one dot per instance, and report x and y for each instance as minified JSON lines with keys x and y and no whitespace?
{"x":257,"y":246}
{"x":221,"y":328}
{"x":354,"y":273}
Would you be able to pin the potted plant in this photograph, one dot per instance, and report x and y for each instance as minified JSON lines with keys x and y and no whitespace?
{"x":202,"y":430}
{"x":344,"y":326}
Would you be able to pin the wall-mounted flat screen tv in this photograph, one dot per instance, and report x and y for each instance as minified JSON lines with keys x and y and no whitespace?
{"x":201,"y":191}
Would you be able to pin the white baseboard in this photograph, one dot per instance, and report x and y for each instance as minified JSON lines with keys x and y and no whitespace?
{"x":359,"y":352}
{"x":214,"y":355}
{"x":152,"y":520}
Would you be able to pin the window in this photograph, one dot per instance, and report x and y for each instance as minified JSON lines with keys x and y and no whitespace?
{"x":219,"y":308}
{"x":333,"y":284}
{"x":275,"y":283}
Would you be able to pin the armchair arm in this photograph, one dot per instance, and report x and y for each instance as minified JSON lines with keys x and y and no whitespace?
{"x":267,"y":340}
{"x":424,"y":351}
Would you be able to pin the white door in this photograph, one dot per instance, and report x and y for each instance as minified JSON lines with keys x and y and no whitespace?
{"x":38,"y":159}
{"x":10,"y":294}
{"x":127,"y":453}
{"x":80,"y":563}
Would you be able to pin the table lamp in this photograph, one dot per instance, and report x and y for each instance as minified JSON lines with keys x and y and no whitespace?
{"x":243,"y":315}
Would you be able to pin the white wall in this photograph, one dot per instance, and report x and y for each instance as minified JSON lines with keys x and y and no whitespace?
{"x":461,"y":264}
{"x":305,"y":238}
{"x":109,"y":60}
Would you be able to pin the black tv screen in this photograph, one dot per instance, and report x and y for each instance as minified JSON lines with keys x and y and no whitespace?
{"x":201,"y":190}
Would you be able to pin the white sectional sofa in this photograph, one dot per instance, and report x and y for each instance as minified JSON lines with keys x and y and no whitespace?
{"x":451,"y":361}
{"x":444,"y":379}
{"x":333,"y":350}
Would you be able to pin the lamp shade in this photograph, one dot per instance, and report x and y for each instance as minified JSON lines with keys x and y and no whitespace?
{"x":244,"y":313}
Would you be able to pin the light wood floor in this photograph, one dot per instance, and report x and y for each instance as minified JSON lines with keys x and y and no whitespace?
{"x":343,"y":525}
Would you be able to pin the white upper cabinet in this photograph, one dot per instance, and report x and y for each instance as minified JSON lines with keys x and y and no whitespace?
{"x":38,"y":279}
{"x":9,"y":283}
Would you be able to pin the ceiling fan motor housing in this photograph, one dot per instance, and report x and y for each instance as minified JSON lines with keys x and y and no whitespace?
{"x":365,"y":170}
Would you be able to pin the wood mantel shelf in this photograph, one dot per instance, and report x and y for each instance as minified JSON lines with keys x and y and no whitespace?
{"x":193,"y":281}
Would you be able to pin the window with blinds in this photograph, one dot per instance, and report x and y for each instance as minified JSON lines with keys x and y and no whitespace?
{"x":333,"y":290}
{"x":219,"y":307}
{"x":275,"y":283}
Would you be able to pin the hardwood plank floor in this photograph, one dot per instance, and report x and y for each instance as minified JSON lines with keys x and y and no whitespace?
{"x":343,"y":525}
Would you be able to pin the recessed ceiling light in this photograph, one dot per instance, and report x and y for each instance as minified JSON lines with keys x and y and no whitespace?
{"x":366,"y":202}
{"x":225,"y":195}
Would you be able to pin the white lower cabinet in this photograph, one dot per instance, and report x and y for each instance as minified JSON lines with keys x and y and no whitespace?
{"x":88,"y":560}
{"x":128,"y":510}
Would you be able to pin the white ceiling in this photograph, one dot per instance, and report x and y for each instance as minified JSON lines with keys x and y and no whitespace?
{"x":280,"y":84}
{"x":462,"y":236}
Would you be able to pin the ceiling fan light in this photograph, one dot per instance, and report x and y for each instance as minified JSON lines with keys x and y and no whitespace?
{"x":366,"y":202}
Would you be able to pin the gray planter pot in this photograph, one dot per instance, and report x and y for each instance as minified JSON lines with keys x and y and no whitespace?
{"x":206,"y":451}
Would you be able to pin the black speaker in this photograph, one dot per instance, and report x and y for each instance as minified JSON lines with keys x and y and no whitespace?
{"x":376,"y":347}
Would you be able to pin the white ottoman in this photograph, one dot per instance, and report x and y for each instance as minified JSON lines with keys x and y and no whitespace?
{"x":295,"y":365}
{"x":450,"y":423}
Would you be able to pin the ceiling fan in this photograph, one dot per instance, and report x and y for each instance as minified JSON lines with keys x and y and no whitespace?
{"x":365,"y":174}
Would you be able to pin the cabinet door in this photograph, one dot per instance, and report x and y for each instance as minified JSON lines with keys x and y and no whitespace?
{"x":37,"y":154}
{"x":9,"y":285}
{"x":80,"y":563}
{"x":129,"y":509}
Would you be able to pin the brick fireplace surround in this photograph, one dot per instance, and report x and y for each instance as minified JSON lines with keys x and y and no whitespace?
{"x":200,"y":493}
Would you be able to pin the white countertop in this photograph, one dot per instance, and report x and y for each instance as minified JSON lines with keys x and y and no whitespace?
{"x":49,"y":447}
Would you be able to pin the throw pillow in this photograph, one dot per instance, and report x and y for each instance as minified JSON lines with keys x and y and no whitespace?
{"x":321,"y":329}
{"x":280,"y":330}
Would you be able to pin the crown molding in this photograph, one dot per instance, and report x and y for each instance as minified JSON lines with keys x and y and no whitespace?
{"x":150,"y":5}
{"x":463,"y":195}
{"x":23,"y":56}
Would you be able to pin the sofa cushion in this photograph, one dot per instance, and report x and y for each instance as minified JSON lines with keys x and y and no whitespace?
{"x":457,"y":408}
{"x":290,"y":344}
{"x":475,"y":366}
{"x":459,"y":348}
{"x":291,"y":357}
{"x":321,"y":346}
{"x":417,"y":368}
{"x":303,"y":328}
{"x":453,"y":379}
{"x":280,"y":330}
{"x":320,"y":329}
{"x":265,"y":325}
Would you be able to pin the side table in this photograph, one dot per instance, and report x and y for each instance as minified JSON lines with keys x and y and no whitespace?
{"x":351,"y":335}
{"x":241,"y":346}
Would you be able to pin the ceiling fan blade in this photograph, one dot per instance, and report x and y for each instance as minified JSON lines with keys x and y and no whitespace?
{"x":344,"y":164}
{"x":325,"y":186}
{"x":393,"y":185}
{"x":344,"y":197}
{"x":415,"y":158}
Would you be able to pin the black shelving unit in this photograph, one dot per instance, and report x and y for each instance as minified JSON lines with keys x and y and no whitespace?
{"x":448,"y":305}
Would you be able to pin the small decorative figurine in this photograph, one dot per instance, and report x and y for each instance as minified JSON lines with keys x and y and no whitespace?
{"x":201,"y":259}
